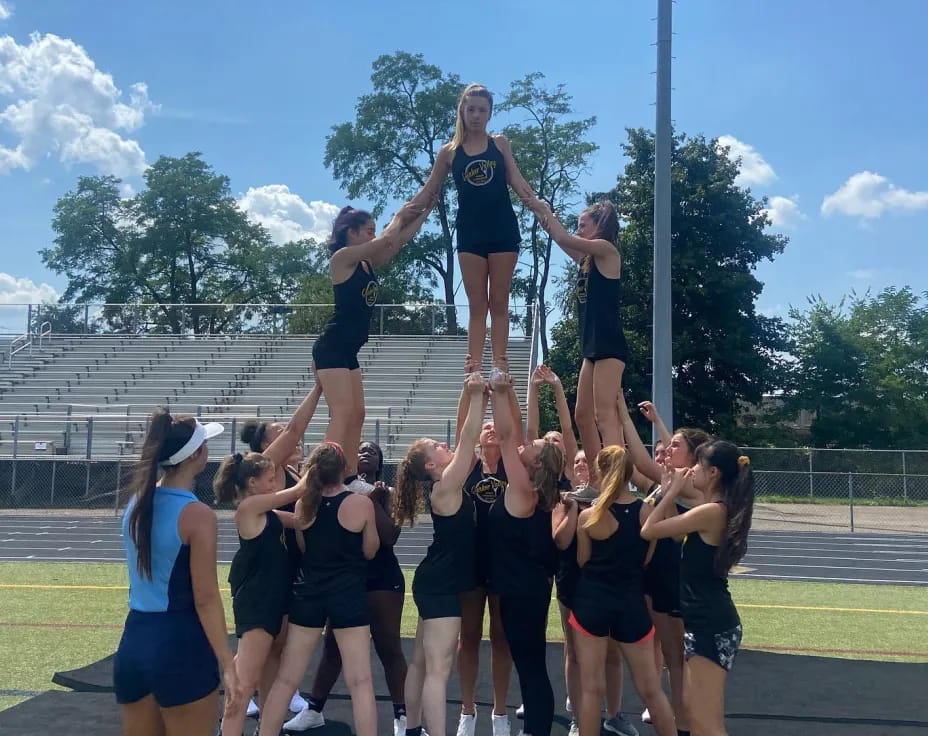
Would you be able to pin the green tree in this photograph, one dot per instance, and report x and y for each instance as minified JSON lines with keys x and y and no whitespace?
{"x":389,"y":150}
{"x":552,"y":152}
{"x":181,"y":241}
{"x":861,"y":368}
{"x":724,"y":353}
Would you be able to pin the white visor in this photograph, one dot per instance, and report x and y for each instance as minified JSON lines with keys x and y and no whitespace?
{"x":201,"y":433}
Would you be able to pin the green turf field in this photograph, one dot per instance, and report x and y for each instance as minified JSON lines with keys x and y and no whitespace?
{"x":58,"y":616}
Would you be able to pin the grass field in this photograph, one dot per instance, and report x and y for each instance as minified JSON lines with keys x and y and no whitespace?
{"x":58,"y":616}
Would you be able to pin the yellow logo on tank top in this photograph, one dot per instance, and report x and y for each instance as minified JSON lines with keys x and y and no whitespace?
{"x":479,"y":173}
{"x":488,"y":489}
{"x":583,"y":280}
{"x":369,"y":293}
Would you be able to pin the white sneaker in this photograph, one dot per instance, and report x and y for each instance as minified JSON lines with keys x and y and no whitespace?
{"x":399,"y":726}
{"x":501,"y":725}
{"x":646,"y":716}
{"x":297,"y":702}
{"x":520,"y":711}
{"x":252,"y":709}
{"x":467,"y":724}
{"x":305,"y":720}
{"x":574,"y":729}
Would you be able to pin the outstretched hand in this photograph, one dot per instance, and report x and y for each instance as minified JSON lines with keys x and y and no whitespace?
{"x":500,"y":381}
{"x":474,"y":383}
{"x":648,"y":410}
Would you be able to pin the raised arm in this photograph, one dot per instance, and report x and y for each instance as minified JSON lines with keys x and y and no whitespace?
{"x":501,"y":396}
{"x":564,"y":522}
{"x":432,"y":187}
{"x":650,"y":413}
{"x":259,"y":503}
{"x":370,"y":540}
{"x":563,"y":418}
{"x":282,"y":447}
{"x":639,"y":453}
{"x":513,"y":176}
{"x":404,"y":225}
{"x":575,"y":246}
{"x":665,"y":522}
{"x":454,"y":475}
{"x":532,"y":420}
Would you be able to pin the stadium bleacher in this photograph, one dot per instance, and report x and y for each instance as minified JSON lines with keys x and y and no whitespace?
{"x":77,"y":395}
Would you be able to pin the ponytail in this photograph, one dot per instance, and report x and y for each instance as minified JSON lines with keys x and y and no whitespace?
{"x":410,"y":479}
{"x":607,"y":221}
{"x":165,"y":436}
{"x":347,"y":219}
{"x":235,"y":471}
{"x":613,"y":466}
{"x":547,"y":473}
{"x":325,"y":467}
{"x":737,"y":485}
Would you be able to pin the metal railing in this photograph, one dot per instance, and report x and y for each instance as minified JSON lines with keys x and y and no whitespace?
{"x":429,"y":318}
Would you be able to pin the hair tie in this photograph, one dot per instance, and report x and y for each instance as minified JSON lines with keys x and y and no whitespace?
{"x":744,"y":460}
{"x":338,"y":448}
{"x":237,"y":458}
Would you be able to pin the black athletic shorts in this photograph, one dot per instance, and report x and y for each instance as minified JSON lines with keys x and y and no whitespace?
{"x":662,"y":578}
{"x":267,"y":614}
{"x":343,"y":610}
{"x":485,"y":249}
{"x":624,"y":618}
{"x":331,"y":353}
{"x":437,"y":605}
{"x":388,"y":578}
{"x":719,"y":647}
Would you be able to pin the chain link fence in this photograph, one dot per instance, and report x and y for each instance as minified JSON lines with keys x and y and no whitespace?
{"x":796,"y":488}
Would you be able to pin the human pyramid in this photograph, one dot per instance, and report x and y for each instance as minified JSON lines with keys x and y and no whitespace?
{"x":641,"y":574}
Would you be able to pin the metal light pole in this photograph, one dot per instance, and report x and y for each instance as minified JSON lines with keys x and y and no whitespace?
{"x":662,"y":384}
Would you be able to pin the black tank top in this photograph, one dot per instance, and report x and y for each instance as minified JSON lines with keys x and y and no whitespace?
{"x":354,"y":303}
{"x":334,"y":559}
{"x":705,"y":602}
{"x":484,"y":489}
{"x":448,"y":567}
{"x":523,"y":553}
{"x":568,"y":571}
{"x":617,"y":562}
{"x":261,"y":564}
{"x":485,"y":213}
{"x":598,"y":300}
{"x":384,"y":568}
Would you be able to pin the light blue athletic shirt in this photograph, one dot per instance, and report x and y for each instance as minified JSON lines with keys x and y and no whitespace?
{"x":170,"y":587}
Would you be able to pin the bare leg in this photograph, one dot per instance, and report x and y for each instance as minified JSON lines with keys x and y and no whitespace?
{"x":670,"y":631}
{"x":591,"y":655}
{"x":353,"y":439}
{"x":472,"y":608}
{"x":501,"y":657}
{"x":640,"y":660}
{"x":338,"y":386}
{"x":585,"y":417}
{"x":474,"y":274}
{"x":142,"y":718}
{"x":705,"y":696}
{"x":439,"y":636}
{"x":355,"y":647}
{"x":193,"y":719}
{"x":607,"y":383}
{"x":571,"y":666}
{"x":613,"y":678}
{"x":501,"y":268}
{"x":296,"y":655}
{"x":252,"y":653}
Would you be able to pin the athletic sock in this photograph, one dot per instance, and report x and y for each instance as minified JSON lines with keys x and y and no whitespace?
{"x":399,"y":710}
{"x":417,"y":731}
{"x":316,"y":704}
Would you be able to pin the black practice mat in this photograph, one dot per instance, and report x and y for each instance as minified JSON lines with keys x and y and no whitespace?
{"x":762,"y":685}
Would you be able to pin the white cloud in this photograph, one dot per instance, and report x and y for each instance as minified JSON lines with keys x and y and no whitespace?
{"x":286,"y":216}
{"x":62,"y":106}
{"x":5,"y":11}
{"x":867,"y":194}
{"x":754,"y":169}
{"x":16,"y":291}
{"x":784,"y":212}
{"x":862,"y":274}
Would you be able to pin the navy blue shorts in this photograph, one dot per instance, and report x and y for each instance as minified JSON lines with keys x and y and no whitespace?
{"x":166,"y":655}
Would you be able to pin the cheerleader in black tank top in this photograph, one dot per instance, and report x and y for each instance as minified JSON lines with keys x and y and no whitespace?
{"x":486,"y":482}
{"x":602,"y":341}
{"x":524,"y":558}
{"x":339,"y":535}
{"x":356,"y":253}
{"x":609,"y":599}
{"x":448,"y":567}
{"x":487,"y":230}
{"x":715,"y":539}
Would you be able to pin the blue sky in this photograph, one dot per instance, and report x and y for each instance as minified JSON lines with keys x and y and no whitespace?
{"x":826,"y":100}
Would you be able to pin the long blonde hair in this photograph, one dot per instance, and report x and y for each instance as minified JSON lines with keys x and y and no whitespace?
{"x":472,"y":90}
{"x":615,"y":469}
